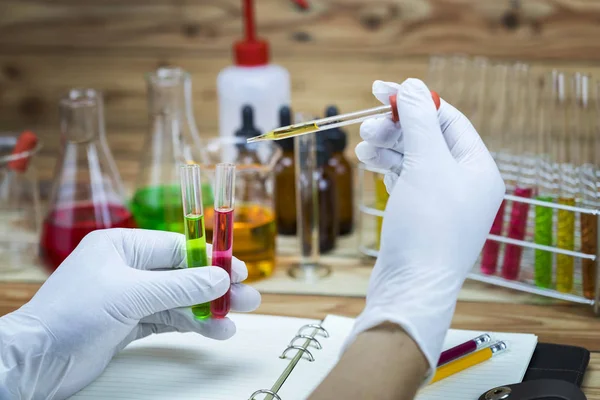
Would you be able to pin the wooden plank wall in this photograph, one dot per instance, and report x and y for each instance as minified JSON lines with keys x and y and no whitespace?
{"x":334,"y":50}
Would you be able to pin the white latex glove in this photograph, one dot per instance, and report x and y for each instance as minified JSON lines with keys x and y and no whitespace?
{"x":445,"y":190}
{"x":107,"y":293}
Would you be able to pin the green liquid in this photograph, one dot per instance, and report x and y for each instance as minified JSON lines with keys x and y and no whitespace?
{"x":543,"y":236}
{"x":196,"y":254}
{"x":159,"y":207}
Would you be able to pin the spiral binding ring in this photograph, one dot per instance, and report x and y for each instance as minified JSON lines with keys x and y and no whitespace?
{"x":300,"y":348}
{"x":307,"y":337}
{"x":265,"y":391}
{"x":314,"y":326}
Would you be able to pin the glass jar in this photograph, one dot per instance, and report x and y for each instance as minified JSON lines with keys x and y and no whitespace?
{"x":20,"y":210}
{"x":254,"y":231}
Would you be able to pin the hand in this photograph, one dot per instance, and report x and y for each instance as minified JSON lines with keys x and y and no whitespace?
{"x":117,"y":286}
{"x":445,"y":190}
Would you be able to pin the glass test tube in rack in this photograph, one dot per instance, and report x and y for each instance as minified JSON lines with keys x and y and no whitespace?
{"x":585,"y":277}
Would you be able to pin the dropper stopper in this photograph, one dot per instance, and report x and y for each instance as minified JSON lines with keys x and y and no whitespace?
{"x":247,"y":117}
{"x":247,"y":130}
{"x":25,"y":143}
{"x":394,"y":104}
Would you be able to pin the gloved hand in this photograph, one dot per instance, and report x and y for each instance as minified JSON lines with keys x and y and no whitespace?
{"x":445,"y":190}
{"x":114,"y":288}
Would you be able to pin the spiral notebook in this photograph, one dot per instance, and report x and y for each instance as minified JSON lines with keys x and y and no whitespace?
{"x":186,"y":366}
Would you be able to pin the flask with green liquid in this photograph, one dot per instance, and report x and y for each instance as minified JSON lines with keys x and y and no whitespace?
{"x":172,"y":140}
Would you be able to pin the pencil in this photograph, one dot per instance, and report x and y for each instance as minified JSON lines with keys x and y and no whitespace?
{"x":468,"y":361}
{"x":463,"y":349}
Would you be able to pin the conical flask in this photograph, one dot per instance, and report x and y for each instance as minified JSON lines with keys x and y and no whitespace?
{"x":172,"y":140}
{"x":87,"y":192}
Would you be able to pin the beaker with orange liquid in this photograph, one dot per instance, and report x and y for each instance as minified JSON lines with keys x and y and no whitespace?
{"x":254,"y":227}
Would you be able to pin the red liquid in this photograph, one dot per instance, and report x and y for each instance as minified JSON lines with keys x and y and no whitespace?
{"x":516,"y":230}
{"x":65,"y":227}
{"x":489,"y":259}
{"x":221,"y":257}
{"x":457,"y":352}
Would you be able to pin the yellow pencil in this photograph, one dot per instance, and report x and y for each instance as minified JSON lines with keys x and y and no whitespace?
{"x":468,"y":361}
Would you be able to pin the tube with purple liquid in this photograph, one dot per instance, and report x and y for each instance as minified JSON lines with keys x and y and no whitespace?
{"x":222,"y":244}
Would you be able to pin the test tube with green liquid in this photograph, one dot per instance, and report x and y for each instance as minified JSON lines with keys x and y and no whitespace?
{"x":195,"y":245}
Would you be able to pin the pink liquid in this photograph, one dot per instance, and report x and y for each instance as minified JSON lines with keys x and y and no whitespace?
{"x":516,"y":230}
{"x":221,"y":256}
{"x":489,"y":259}
{"x":65,"y":227}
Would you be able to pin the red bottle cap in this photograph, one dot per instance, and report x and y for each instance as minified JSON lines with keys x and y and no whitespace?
{"x":26,"y":142}
{"x":394,"y":104}
{"x":251,"y":51}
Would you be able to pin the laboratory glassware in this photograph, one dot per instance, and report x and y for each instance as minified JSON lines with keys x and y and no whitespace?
{"x":20,"y":209}
{"x":222,"y":244}
{"x":254,"y":228}
{"x":285,"y":178}
{"x":322,"y":124}
{"x":588,"y":182}
{"x":309,"y":268}
{"x":343,"y":175}
{"x":494,"y":123}
{"x":327,"y":187}
{"x":87,"y":193}
{"x":195,"y":234}
{"x":567,"y":178}
{"x":172,"y":139}
{"x":546,"y":179}
{"x":524,"y":183}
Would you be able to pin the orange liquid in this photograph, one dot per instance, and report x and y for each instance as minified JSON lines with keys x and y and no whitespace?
{"x":254,"y":233}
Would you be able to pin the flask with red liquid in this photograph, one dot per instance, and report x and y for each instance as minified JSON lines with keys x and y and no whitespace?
{"x":87,"y":193}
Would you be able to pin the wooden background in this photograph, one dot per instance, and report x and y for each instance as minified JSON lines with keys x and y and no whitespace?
{"x":333,"y":50}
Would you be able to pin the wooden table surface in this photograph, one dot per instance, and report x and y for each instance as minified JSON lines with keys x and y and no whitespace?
{"x":566,"y":324}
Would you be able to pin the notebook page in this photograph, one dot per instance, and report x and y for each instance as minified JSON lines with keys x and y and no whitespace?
{"x":505,"y":368}
{"x":308,"y":375}
{"x":187,"y":366}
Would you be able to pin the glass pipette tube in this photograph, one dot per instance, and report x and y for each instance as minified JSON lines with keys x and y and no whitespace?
{"x":337,"y":121}
{"x":222,"y":245}
{"x":195,"y":245}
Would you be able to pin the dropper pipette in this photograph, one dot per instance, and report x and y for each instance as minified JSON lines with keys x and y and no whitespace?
{"x":337,"y":121}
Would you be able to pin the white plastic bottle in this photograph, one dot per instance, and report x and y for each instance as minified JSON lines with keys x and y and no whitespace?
{"x":251,"y":81}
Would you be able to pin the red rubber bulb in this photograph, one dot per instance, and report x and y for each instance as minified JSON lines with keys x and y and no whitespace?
{"x":394,"y":104}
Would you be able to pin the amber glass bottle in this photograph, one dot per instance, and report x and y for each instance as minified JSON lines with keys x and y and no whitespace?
{"x":285,"y":181}
{"x":328,"y":198}
{"x":342,"y":174}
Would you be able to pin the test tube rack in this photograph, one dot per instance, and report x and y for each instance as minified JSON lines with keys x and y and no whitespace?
{"x":367,"y":246}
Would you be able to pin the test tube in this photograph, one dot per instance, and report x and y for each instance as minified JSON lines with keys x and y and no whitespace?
{"x":222,"y":244}
{"x":523,"y":185}
{"x":195,"y":245}
{"x":494,"y":123}
{"x":567,"y":189}
{"x":546,"y":182}
{"x":589,"y":192}
{"x":307,"y":202}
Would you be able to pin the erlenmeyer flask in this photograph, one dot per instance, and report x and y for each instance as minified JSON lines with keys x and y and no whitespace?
{"x":172,"y":140}
{"x":87,"y":193}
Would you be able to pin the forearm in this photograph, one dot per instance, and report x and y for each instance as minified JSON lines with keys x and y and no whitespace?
{"x":383,"y":363}
{"x":28,"y":367}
